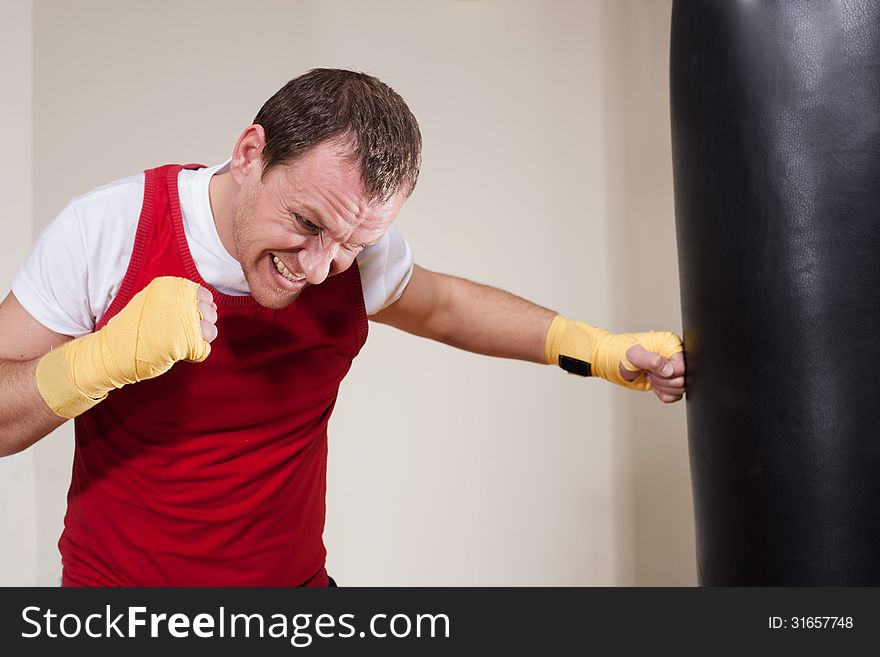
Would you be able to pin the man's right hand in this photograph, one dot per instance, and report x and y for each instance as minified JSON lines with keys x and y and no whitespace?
{"x":208,"y":311}
{"x":170,"y":320}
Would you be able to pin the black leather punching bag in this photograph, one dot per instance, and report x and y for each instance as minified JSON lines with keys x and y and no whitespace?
{"x":776,"y":149}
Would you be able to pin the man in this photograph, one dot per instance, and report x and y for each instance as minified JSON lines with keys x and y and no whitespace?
{"x":196,"y":323}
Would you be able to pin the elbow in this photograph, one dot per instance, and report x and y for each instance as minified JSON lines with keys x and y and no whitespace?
{"x":11,"y":450}
{"x":14,"y":441}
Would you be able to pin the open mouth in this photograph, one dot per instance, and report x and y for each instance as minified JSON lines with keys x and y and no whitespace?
{"x":287,"y":279}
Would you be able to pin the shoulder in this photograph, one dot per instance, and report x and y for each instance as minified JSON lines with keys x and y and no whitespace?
{"x":118,"y":195}
{"x":386,"y":268}
{"x":106,"y":217}
{"x":93,"y":236}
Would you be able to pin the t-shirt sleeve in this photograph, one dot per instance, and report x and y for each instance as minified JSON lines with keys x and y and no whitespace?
{"x":385,"y":268}
{"x":52,"y":284}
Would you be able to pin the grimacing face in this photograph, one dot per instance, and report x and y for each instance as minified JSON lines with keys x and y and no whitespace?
{"x":308,"y":220}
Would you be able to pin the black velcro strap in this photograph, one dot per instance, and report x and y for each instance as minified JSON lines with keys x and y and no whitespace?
{"x":575,"y":366}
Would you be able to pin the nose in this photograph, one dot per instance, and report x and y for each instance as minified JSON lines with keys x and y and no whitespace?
{"x":316,"y":260}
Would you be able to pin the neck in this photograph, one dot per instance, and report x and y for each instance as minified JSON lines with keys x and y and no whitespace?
{"x":220,"y":193}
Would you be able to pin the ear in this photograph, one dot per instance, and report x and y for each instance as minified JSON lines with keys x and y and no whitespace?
{"x":247,"y":158}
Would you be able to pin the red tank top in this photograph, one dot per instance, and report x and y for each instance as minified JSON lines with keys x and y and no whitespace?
{"x":213,"y":474}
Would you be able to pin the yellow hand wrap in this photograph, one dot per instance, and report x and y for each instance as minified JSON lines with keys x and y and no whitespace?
{"x":157,"y":328}
{"x":589,"y":351}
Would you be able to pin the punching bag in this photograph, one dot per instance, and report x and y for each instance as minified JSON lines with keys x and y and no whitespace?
{"x":776,"y":154}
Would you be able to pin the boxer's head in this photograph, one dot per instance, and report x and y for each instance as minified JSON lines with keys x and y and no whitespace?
{"x":367,"y":116}
{"x":322,"y":172}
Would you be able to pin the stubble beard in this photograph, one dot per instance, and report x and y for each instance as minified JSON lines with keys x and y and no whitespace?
{"x":264,"y":293}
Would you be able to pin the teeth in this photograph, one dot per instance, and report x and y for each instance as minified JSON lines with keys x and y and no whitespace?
{"x":282,"y":269}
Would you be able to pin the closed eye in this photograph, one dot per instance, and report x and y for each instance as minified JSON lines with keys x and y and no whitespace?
{"x":306,"y":224}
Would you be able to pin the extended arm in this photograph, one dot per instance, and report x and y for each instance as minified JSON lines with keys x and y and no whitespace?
{"x":470,"y":316}
{"x":490,"y":321}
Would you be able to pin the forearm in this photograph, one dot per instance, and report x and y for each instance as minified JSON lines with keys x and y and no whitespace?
{"x":471,"y":316}
{"x":487,"y":320}
{"x":24,"y":415}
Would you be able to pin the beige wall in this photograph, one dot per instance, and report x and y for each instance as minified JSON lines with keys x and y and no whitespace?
{"x":18,"y":500}
{"x":654,"y":510}
{"x":546,"y":172}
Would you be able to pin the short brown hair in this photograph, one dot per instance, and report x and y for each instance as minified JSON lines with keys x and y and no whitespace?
{"x":365,"y":113}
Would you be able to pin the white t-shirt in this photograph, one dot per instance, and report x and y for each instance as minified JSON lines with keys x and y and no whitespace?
{"x":77,"y":265}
